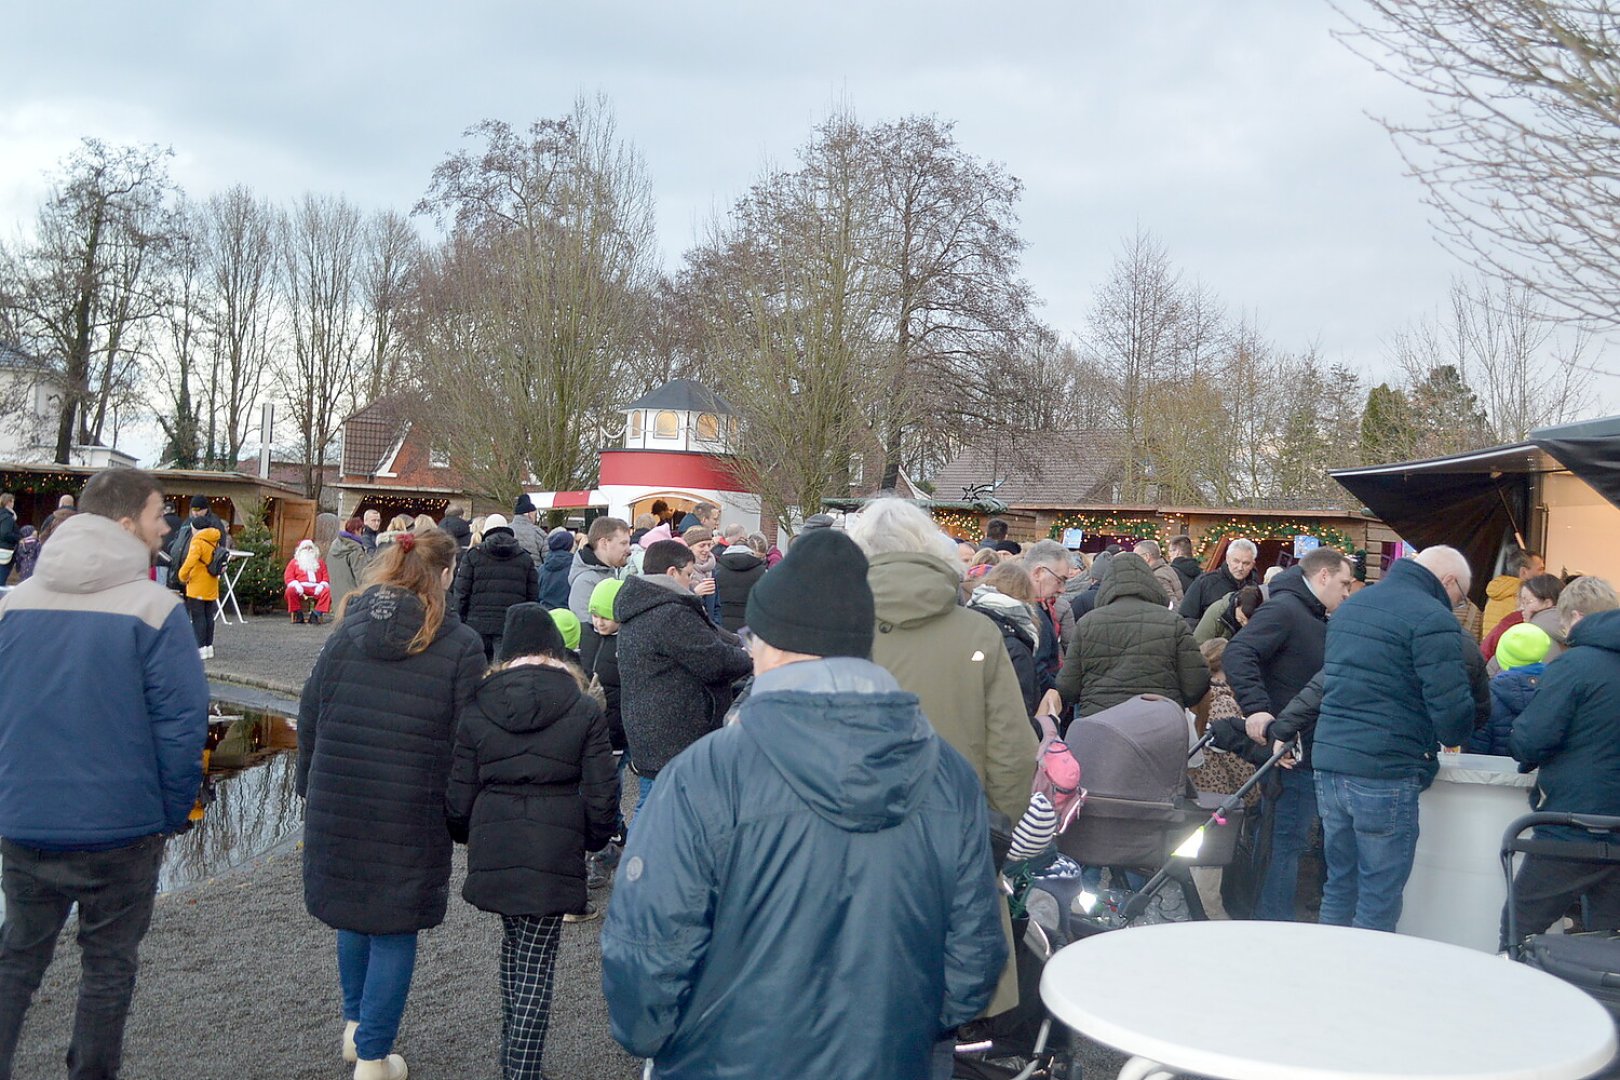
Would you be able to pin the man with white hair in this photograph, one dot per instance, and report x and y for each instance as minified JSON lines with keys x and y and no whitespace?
{"x":1236,"y":572}
{"x":309,"y":589}
{"x":1050,"y":567}
{"x":1395,"y":691}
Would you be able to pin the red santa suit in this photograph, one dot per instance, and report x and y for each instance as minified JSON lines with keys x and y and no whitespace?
{"x":306,"y":579}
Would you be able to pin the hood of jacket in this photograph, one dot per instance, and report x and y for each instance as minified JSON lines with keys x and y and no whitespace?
{"x":1129,"y":577}
{"x":740,"y":559}
{"x":910,"y":589}
{"x":1292,"y":581}
{"x":998,"y":605}
{"x":643,"y":593}
{"x":558,"y":561}
{"x":381,"y":622}
{"x":586,"y":562}
{"x":846,"y":738}
{"x":1504,"y":588}
{"x":501,"y":544}
{"x":1600,"y":630}
{"x":530,"y":697}
{"x":89,"y":553}
{"x":1553,"y":623}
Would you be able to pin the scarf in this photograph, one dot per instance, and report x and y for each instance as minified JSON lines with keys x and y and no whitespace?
{"x":989,"y":598}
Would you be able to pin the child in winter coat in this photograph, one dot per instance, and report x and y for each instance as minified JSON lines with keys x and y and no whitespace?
{"x":1522,"y":652}
{"x":531,"y":791}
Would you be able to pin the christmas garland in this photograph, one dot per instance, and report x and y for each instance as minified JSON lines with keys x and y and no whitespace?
{"x":1107,"y":525}
{"x":1211,"y":537}
{"x":963,"y":524}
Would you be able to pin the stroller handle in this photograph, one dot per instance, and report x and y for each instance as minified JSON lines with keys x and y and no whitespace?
{"x":1597,"y":851}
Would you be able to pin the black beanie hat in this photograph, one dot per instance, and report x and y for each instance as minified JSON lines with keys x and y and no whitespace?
{"x":817,"y":600}
{"x":530,"y":631}
{"x":199,"y":502}
{"x":524,"y":504}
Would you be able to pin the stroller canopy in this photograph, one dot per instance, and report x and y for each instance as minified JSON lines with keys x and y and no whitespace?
{"x":1136,"y":750}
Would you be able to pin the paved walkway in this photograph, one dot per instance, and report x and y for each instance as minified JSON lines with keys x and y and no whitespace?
{"x":237,"y":981}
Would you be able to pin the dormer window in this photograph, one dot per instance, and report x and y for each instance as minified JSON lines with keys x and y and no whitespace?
{"x":635,"y":424}
{"x":708,"y":426}
{"x":666,"y":425}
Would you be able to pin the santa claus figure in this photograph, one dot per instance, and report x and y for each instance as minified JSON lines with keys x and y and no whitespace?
{"x":309,"y":591}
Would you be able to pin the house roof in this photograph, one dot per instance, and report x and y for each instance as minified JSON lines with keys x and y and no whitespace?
{"x":371,"y":434}
{"x":683,"y":395}
{"x":1041,"y":469}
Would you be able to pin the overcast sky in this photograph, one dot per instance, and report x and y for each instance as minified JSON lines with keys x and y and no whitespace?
{"x":1237,"y":131}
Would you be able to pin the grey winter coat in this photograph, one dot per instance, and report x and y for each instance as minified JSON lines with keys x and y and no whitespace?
{"x":1130,"y":644}
{"x":584,"y":576}
{"x":675,"y":670}
{"x":530,"y":537}
{"x":345,"y":562}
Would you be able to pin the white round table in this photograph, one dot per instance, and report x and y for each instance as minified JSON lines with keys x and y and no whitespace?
{"x":1297,"y":1001}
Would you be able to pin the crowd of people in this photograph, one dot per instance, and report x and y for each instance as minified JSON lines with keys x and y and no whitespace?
{"x":819,"y":741}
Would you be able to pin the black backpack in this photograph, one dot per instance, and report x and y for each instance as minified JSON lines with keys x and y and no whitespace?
{"x":178,"y":547}
{"x":217,"y":561}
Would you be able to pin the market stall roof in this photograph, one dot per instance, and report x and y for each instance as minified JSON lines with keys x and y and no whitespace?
{"x":1472,"y":500}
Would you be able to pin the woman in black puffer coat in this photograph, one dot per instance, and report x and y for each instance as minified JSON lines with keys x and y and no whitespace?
{"x":376,"y":726}
{"x":736,"y":572}
{"x":493,"y":576}
{"x":531,"y":791}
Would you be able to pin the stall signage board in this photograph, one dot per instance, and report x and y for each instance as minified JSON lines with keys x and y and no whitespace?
{"x":1073,"y":538}
{"x":1302,"y":544}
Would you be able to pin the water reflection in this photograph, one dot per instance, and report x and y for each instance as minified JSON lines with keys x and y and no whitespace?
{"x":254,"y":808}
{"x":251,"y":759}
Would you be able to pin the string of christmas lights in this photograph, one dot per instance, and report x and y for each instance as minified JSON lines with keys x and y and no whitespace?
{"x":1107,"y":525}
{"x":1250,"y":529}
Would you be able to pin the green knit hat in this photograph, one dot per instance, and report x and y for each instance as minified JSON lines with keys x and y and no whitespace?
{"x":1524,"y":644}
{"x":602,"y":597}
{"x":568,"y":624}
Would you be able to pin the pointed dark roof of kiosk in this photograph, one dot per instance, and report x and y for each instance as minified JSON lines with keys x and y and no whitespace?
{"x":684,"y":395}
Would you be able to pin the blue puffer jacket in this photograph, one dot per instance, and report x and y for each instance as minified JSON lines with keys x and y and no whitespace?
{"x":554,"y":578}
{"x":808,"y":892}
{"x":1395,"y":687}
{"x":1511,"y":691}
{"x":1571,"y":729}
{"x":103,"y":701}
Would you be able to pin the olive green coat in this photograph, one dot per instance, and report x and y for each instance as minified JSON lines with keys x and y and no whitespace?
{"x":1130,"y":644}
{"x":954,"y":661}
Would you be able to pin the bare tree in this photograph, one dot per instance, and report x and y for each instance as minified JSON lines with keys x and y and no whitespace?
{"x":542,"y":287}
{"x":1519,"y":153}
{"x":792,"y":306}
{"x":392,"y":249}
{"x":244,"y":261}
{"x":321,"y":252}
{"x":178,"y":367}
{"x":80,"y":291}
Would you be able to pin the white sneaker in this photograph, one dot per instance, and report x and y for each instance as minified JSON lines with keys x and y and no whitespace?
{"x":209,"y":649}
{"x":349,"y":1053}
{"x":202,"y":652}
{"x":391,"y":1067}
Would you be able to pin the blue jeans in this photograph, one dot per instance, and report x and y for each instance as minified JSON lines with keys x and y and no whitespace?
{"x":645,"y":783}
{"x":1291,"y":813}
{"x":375,"y":973}
{"x":1369,"y":834}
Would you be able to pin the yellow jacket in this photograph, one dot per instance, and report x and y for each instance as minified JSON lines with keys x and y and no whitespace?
{"x":200,"y":584}
{"x":1502,"y":599}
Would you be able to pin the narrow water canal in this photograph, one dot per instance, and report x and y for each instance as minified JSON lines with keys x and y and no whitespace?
{"x":251,"y":755}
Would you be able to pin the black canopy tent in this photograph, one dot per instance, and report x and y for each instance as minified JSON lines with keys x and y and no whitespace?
{"x":1475,"y":501}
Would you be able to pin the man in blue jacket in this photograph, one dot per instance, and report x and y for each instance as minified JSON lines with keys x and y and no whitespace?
{"x":1394,"y":691}
{"x":1270,"y":660}
{"x":809,"y":891}
{"x":103,"y":714}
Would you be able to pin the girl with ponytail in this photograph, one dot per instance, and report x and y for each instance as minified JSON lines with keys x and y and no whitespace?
{"x":376,"y":728}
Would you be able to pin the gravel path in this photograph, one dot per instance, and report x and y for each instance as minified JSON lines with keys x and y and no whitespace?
{"x":237,"y":981}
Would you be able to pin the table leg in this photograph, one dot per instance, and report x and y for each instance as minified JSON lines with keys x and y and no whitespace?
{"x":1141,"y":1068}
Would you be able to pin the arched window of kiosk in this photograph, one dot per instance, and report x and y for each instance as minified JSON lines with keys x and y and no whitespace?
{"x":666,"y":425}
{"x":635,"y":424}
{"x":708,"y":426}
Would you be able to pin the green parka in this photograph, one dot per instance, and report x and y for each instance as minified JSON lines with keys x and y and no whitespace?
{"x":1131,"y":644}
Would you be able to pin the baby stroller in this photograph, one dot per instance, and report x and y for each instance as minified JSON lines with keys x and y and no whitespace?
{"x":1591,"y":960}
{"x":1138,"y":813}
